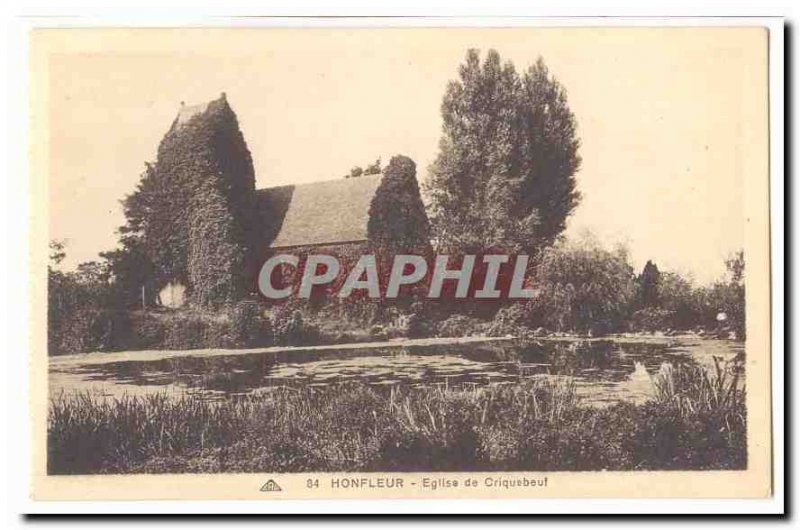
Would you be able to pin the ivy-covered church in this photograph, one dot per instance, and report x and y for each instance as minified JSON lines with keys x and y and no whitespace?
{"x":205,"y":229}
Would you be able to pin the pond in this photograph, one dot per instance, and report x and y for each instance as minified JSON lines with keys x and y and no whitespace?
{"x":604,"y":370}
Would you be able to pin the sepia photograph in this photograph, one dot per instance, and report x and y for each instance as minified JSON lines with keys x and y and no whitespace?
{"x":401,"y":261}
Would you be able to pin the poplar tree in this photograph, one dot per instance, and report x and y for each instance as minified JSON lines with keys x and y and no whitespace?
{"x":505,"y":172}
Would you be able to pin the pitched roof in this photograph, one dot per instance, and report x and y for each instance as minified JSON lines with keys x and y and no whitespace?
{"x":321,"y":212}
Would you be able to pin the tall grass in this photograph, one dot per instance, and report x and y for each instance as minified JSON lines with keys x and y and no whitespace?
{"x":709,"y":405}
{"x":532,"y":425}
{"x":691,"y":389}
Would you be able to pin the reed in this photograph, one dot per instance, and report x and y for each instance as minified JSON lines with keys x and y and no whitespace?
{"x":537,"y":424}
{"x":691,"y":389}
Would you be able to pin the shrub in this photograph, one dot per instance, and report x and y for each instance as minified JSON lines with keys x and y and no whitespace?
{"x":419,"y":322}
{"x":359,"y":311}
{"x":86,"y":329}
{"x":186,"y":332}
{"x":652,"y":319}
{"x":290,"y":329}
{"x":82,"y":313}
{"x":459,"y":326}
{"x":678,"y":296}
{"x":509,"y":320}
{"x":239,"y":326}
{"x":248,"y":326}
{"x":728,"y":298}
{"x":582,"y":287}
{"x":146,"y":333}
{"x":678,"y":304}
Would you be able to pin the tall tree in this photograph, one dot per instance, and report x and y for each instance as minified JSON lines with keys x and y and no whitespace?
{"x":649,"y":282}
{"x":131,"y":264}
{"x":504,"y":176}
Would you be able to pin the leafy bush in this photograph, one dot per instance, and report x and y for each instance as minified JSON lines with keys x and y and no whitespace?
{"x":459,"y":326}
{"x":674,"y":302}
{"x":86,"y":329}
{"x":239,"y":326}
{"x":728,"y":298}
{"x":291,"y":330}
{"x":82,"y":311}
{"x":510,"y":320}
{"x":678,"y":297}
{"x":419,"y":322}
{"x":248,"y":326}
{"x":652,"y":319}
{"x":582,"y":287}
{"x":188,"y":332}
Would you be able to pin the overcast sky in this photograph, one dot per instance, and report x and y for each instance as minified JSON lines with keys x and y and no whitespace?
{"x":662,"y":115}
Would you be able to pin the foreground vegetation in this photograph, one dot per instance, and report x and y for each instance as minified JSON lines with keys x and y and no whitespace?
{"x":696,"y":420}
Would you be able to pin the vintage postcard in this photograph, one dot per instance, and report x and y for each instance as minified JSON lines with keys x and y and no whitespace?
{"x":400,"y":262}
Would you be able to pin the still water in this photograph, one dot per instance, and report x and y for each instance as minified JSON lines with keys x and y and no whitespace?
{"x":604,"y":371}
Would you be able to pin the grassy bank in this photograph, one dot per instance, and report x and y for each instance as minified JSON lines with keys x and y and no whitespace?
{"x":695,"y":421}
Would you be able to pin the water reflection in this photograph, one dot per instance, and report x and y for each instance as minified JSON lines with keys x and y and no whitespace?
{"x":604,"y":370}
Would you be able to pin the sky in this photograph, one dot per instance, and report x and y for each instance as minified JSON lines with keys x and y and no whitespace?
{"x":665,"y":116}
